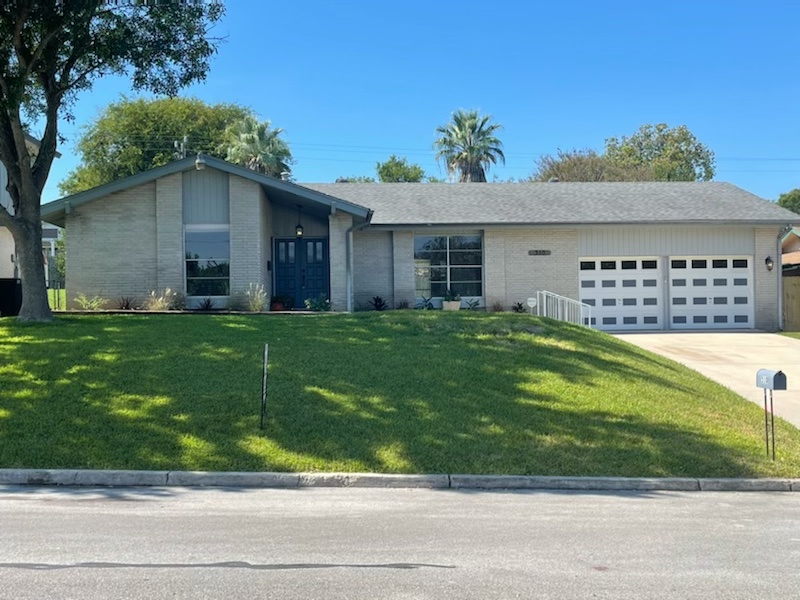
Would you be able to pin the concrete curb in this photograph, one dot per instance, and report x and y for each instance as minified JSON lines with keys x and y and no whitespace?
{"x":87,"y":477}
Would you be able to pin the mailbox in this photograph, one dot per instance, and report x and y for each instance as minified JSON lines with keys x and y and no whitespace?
{"x":770,"y":380}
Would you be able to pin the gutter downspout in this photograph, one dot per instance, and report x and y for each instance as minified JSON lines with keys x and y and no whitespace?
{"x":779,"y":256}
{"x":349,"y":258}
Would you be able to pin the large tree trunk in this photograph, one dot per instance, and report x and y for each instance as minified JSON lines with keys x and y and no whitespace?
{"x":28,"y":239}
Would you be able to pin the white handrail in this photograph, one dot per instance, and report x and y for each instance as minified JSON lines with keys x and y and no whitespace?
{"x":562,"y":308}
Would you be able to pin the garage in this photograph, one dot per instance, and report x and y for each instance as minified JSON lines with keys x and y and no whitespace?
{"x":671,"y":292}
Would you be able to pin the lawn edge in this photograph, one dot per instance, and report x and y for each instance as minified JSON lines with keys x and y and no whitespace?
{"x":120,"y":478}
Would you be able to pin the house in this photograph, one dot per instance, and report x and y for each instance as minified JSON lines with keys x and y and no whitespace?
{"x":652,"y":255}
{"x":790,"y":252}
{"x":8,"y":266}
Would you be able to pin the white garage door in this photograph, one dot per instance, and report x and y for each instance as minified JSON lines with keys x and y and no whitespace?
{"x":702,"y":292}
{"x":711,"y":292}
{"x":625,"y":293}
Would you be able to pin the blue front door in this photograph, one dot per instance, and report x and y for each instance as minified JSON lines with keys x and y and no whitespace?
{"x":301,"y":269}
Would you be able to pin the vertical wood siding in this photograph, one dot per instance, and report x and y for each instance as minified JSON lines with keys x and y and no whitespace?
{"x":205,"y":197}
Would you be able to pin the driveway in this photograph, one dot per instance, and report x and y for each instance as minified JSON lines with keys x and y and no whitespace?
{"x":733,"y":359}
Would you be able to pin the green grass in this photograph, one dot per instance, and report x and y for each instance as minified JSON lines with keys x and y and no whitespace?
{"x":792,"y":334}
{"x":399,"y":391}
{"x":57,"y":299}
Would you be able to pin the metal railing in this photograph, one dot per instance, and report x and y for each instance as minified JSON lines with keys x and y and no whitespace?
{"x":562,"y":308}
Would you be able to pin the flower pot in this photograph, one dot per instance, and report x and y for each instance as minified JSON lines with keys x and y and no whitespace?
{"x":277,"y":306}
{"x":451,"y":304}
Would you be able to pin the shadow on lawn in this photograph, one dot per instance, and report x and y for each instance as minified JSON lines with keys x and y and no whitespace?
{"x":402,"y":392}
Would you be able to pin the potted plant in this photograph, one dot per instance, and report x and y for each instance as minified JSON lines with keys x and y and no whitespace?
{"x":451,"y":300}
{"x":281,"y":303}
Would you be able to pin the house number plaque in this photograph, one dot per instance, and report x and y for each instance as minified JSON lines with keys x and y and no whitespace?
{"x":538,"y":252}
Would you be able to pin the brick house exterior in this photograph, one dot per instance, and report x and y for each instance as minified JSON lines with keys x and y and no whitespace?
{"x":645,"y":255}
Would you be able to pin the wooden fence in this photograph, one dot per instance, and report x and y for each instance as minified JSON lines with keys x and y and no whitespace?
{"x":791,"y":303}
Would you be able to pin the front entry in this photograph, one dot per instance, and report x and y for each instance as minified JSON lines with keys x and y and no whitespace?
{"x":301,"y":269}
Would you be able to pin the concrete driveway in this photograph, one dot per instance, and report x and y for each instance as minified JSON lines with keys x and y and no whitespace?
{"x":733,"y":359}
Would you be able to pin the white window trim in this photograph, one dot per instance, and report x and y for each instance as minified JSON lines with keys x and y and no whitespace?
{"x":191,"y":228}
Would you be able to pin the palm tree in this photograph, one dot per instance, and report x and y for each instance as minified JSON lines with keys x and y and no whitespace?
{"x":255,"y":146}
{"x":467,"y":145}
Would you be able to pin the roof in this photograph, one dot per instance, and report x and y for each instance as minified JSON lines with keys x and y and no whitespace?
{"x":284,"y":192}
{"x":396,"y":204}
{"x":791,"y":258}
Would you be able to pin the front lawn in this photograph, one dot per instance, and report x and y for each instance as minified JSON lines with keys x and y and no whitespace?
{"x":400,"y":391}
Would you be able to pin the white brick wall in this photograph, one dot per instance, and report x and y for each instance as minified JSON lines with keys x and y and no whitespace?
{"x":338,"y":224}
{"x":373,"y":272}
{"x":169,"y":233}
{"x":403,"y":262}
{"x":247,"y":238}
{"x":111,"y":245}
{"x":512,"y":275}
{"x":766,"y":282}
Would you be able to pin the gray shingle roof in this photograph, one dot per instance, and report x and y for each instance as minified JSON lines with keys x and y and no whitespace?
{"x":558,"y":203}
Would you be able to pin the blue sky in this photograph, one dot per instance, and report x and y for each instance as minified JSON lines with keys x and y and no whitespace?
{"x":352,"y":82}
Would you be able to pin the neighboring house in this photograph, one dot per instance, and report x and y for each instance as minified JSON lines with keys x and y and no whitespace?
{"x":790,"y":249}
{"x":50,"y":233}
{"x":661,"y":255}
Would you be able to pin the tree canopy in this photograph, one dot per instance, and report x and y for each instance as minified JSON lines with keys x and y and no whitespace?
{"x":468,"y":146}
{"x":134,"y":135}
{"x":399,"y":170}
{"x":254,"y":145}
{"x":790,"y":200}
{"x":673,"y":154}
{"x":586,"y":165}
{"x":50,"y":52}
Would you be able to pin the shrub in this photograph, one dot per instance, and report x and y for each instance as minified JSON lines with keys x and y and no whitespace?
{"x":256,"y":297}
{"x":425,"y":304}
{"x":166,"y":300}
{"x":403,"y":305}
{"x":205,"y":304}
{"x":497,"y":306}
{"x":318,"y":304}
{"x":518,"y":307}
{"x":473,"y":304}
{"x":378,"y":303}
{"x":93,"y":303}
{"x":126,"y":303}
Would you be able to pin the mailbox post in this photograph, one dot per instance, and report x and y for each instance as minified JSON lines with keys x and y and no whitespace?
{"x":770,"y":380}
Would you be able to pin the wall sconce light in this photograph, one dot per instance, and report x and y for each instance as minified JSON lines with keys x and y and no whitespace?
{"x":769,"y":263}
{"x":199,"y":163}
{"x":298,"y":230}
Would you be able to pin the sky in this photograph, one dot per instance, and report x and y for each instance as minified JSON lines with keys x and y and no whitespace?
{"x":352,"y":82}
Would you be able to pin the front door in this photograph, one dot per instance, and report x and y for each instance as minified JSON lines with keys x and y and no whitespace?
{"x":301,"y":269}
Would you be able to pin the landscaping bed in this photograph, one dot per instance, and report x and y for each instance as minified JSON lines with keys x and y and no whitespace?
{"x":396,"y":392}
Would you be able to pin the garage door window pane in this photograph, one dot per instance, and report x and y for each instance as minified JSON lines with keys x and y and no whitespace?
{"x":609,"y":320}
{"x":740,"y":282}
{"x":607,"y":283}
{"x":649,"y":264}
{"x":587,"y":265}
{"x":678,"y":264}
{"x":650,"y":301}
{"x":609,"y":302}
{"x":678,"y":282}
{"x":720,"y":319}
{"x":699,"y":264}
{"x":740,"y":263}
{"x":629,"y":302}
{"x":629,"y":283}
{"x":650,"y":283}
{"x":628,"y":264}
{"x":590,"y":302}
{"x":740,"y":300}
{"x":721,"y":282}
{"x":699,"y":282}
{"x":679,"y":320}
{"x":650,"y":320}
{"x":722,"y":300}
{"x":719,"y":263}
{"x":608,"y":265}
{"x":678,"y":301}
{"x":629,"y":320}
{"x":699,"y":319}
{"x":587,"y":284}
{"x":697,"y":301}
{"x":740,"y":319}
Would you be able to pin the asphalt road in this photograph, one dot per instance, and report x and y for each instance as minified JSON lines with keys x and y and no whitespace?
{"x":372,"y":543}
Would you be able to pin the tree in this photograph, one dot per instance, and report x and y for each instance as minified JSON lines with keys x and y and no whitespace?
{"x":790,"y":200}
{"x":586,"y":165}
{"x":50,"y":52}
{"x":255,"y":146}
{"x":673,"y":154}
{"x":131,"y":136}
{"x":356,"y":179}
{"x":468,"y":146}
{"x":398,"y":170}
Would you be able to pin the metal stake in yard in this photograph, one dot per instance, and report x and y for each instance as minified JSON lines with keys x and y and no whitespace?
{"x":264,"y":386}
{"x":770,"y":380}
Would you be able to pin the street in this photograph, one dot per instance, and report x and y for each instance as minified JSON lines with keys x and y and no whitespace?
{"x":93,"y":543}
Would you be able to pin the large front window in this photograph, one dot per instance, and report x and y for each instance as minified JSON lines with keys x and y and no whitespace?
{"x":208,"y":252}
{"x":453,"y":262}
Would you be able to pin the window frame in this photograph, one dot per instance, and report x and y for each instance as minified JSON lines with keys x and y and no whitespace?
{"x":205,"y":228}
{"x":448,"y":266}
